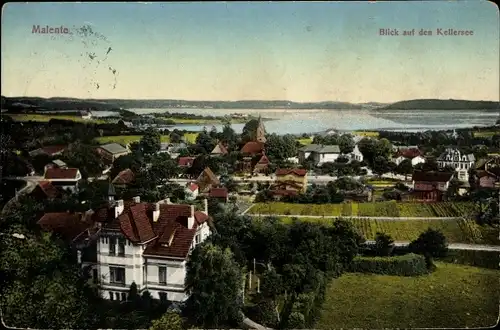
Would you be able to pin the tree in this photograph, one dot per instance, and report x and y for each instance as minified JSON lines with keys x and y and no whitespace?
{"x":249,"y":130}
{"x":405,"y":168}
{"x":206,"y":142}
{"x":169,"y":321}
{"x":346,"y":144}
{"x":228,"y":135}
{"x":431,"y":244}
{"x":214,"y":282}
{"x":380,"y":165}
{"x":163,"y":168}
{"x":151,"y":141}
{"x":384,"y":244}
{"x":453,"y":189}
{"x":281,"y":147}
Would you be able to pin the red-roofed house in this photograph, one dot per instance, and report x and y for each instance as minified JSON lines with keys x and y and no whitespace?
{"x":48,"y":150}
{"x":219,"y":150}
{"x":192,"y":190}
{"x":290,"y":180}
{"x":45,"y":190}
{"x":185,"y":161}
{"x":430,"y":186}
{"x":221,"y":194}
{"x":415,"y":155}
{"x":149,"y":244}
{"x":64,"y":178}
{"x":124,"y":178}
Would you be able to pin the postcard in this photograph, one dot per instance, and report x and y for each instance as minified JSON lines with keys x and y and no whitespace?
{"x":257,"y":165}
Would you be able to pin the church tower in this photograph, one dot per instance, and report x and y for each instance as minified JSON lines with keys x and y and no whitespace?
{"x":260,"y":133}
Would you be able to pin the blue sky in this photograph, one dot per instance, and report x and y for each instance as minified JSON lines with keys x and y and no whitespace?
{"x":298,"y":51}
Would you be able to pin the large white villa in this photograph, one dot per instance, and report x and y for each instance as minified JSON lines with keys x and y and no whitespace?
{"x":461,"y":162}
{"x":145,"y":243}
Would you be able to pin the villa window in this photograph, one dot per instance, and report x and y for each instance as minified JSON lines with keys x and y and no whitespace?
{"x":162,"y":275}
{"x":197,"y":239}
{"x":163,"y":296}
{"x":112,"y":246}
{"x":117,"y":275}
{"x":121,"y":247}
{"x":111,"y":295}
{"x":124,"y":296}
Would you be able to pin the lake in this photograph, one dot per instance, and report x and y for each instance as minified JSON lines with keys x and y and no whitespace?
{"x":313,"y":121}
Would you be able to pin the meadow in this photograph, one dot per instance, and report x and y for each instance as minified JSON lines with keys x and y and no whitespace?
{"x":46,"y":118}
{"x":485,"y":134}
{"x":454,"y":296}
{"x":127,"y":139}
{"x":375,"y":209}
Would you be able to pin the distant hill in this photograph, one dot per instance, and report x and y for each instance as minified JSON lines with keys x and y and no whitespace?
{"x":435,"y":104}
{"x":60,"y":103}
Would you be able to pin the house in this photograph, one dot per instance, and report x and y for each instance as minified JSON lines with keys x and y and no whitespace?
{"x":86,"y":115}
{"x":219,"y":150}
{"x":112,"y":151}
{"x":63,"y":178}
{"x":56,"y":164}
{"x":260,"y":164}
{"x":45,"y":190}
{"x":403,"y":148}
{"x":430,"y":186}
{"x":290,"y":180}
{"x":364,"y":194}
{"x":206,"y":180}
{"x":149,"y":244}
{"x":319,"y":153}
{"x":185,"y":162}
{"x":124,"y":178}
{"x":48,"y":150}
{"x":355,"y":154}
{"x":415,"y":155}
{"x":221,"y":194}
{"x":192,"y":191}
{"x":173,"y":149}
{"x":488,"y":179}
{"x":461,"y":162}
{"x":80,"y":232}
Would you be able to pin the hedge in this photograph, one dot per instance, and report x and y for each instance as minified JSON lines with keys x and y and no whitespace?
{"x":483,"y":259}
{"x":407,"y":265}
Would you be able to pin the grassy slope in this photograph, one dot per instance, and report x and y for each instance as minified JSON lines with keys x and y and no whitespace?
{"x":46,"y":118}
{"x":452,"y":297}
{"x":455,"y":231}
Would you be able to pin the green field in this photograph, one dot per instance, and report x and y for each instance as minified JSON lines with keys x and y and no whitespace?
{"x":376,"y":209}
{"x":455,"y":231}
{"x":366,"y":133}
{"x":127,"y":139}
{"x":454,"y":296}
{"x":305,"y":141}
{"x":486,"y":134}
{"x":46,"y":118}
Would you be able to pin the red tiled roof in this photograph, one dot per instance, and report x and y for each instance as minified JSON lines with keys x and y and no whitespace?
{"x":51,"y":150}
{"x":295,"y":171}
{"x":207,"y":174}
{"x":222,"y":148}
{"x":263,"y":160}
{"x":252,"y":148}
{"x":136,"y":223}
{"x":432,"y":176}
{"x":186,"y":161}
{"x":489,"y":173}
{"x":48,"y":189}
{"x":61,"y":173}
{"x":193,"y":186}
{"x":219,"y":192}
{"x":124,"y":177}
{"x":409,"y":153}
{"x":68,"y":225}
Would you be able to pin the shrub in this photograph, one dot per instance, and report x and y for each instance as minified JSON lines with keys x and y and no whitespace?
{"x":406,"y":265}
{"x":296,"y":320}
{"x":484,"y":259}
{"x":384,"y":244}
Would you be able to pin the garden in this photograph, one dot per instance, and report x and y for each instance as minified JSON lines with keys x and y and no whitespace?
{"x":453,"y":296}
{"x":376,"y":209}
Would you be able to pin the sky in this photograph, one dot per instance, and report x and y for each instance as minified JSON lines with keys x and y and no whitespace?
{"x":304,"y":52}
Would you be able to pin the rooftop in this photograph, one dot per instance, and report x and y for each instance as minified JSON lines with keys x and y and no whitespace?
{"x":61,"y":173}
{"x":114,"y":148}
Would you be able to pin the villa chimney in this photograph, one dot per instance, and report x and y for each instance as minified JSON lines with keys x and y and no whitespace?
{"x":191,"y":218}
{"x":119,"y":208}
{"x":205,"y":204}
{"x":79,"y":256}
{"x":156,"y":212}
{"x":168,"y":201}
{"x":137,"y":199}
